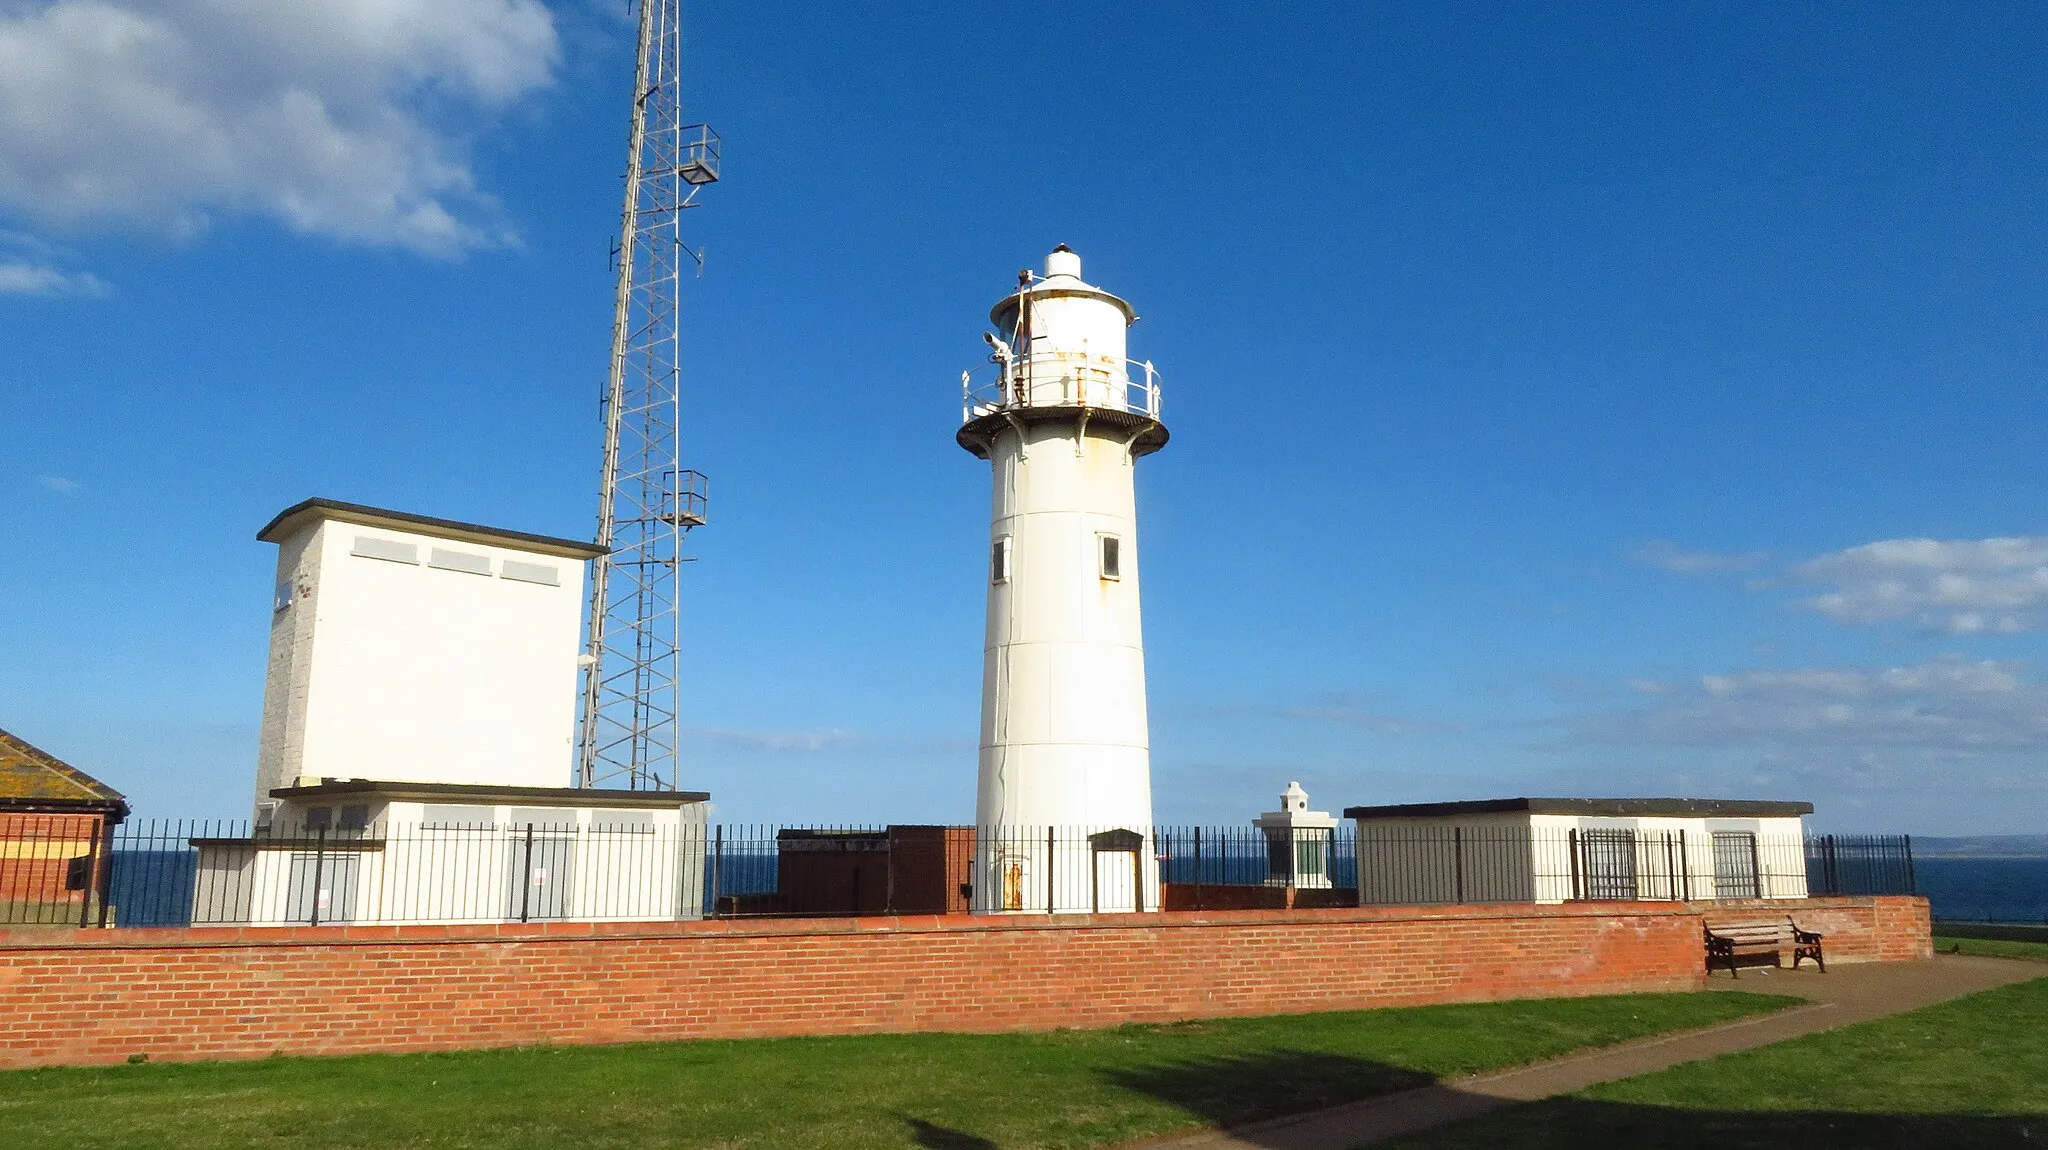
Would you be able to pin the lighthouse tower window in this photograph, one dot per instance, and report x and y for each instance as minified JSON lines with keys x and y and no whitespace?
{"x":999,"y":560}
{"x":1112,"y":556}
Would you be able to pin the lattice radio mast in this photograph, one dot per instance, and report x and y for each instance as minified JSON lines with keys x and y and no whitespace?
{"x":647,"y":501}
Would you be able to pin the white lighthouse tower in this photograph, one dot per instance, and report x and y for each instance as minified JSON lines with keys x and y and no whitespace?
{"x":1062,"y":414}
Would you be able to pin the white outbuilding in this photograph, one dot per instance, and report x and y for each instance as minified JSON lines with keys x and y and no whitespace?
{"x":1555,"y":850}
{"x":374,"y":851}
{"x":418,"y":717}
{"x":418,"y":650}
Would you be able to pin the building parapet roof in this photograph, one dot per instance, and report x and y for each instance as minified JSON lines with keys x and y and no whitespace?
{"x":1645,"y":808}
{"x":335,"y":789}
{"x":288,"y":520}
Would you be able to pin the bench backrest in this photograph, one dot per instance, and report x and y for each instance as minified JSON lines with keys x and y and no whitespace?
{"x":1752,"y":932}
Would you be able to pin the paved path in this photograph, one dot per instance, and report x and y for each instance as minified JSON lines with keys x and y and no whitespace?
{"x":1847,"y":994}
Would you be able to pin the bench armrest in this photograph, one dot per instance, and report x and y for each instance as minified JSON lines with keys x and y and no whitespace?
{"x":1806,"y":937}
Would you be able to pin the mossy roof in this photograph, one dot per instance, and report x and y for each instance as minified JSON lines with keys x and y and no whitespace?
{"x":30,"y":774}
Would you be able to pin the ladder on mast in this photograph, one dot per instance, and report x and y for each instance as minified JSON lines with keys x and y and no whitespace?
{"x":647,"y":501}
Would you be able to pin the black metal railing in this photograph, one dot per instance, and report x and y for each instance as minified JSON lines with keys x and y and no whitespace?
{"x":1860,"y":864}
{"x":220,"y":872}
{"x":64,"y":871}
{"x":1459,"y":864}
{"x":149,"y":873}
{"x":771,"y":870}
{"x":53,"y":868}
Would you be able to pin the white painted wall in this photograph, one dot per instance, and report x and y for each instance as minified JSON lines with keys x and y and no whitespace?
{"x":1064,"y":736}
{"x":443,"y":863}
{"x":416,"y":672}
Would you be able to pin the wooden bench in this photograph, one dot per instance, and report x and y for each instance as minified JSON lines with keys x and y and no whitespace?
{"x":1729,"y":939}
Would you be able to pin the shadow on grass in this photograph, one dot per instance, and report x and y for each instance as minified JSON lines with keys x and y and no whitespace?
{"x":932,"y":1136}
{"x":1230,"y":1092}
{"x":1263,"y":1100}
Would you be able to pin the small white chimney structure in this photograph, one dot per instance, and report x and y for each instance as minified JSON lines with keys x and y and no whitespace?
{"x":1062,"y":415}
{"x":1299,"y":841}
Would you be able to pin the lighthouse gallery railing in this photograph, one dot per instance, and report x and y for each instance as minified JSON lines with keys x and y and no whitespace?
{"x":1061,"y":379}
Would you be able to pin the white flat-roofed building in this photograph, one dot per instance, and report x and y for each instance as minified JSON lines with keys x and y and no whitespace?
{"x":419,"y":712}
{"x":420,"y":650}
{"x":1557,"y":850}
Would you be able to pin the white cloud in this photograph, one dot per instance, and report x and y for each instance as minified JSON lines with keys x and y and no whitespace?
{"x":20,"y":277}
{"x":1671,"y":557}
{"x":1961,"y":586}
{"x":321,"y":114}
{"x":1367,"y":720}
{"x":822,"y":739}
{"x":1363,"y":710}
{"x":1949,"y":705}
{"x":817,"y":740}
{"x":59,"y":484}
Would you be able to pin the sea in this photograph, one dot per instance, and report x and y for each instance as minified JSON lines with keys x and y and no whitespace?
{"x":1985,"y":889}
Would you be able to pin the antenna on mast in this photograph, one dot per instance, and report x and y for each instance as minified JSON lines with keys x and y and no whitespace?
{"x":647,"y":500}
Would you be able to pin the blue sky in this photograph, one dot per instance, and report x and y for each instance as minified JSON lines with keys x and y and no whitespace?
{"x":1566,"y":399}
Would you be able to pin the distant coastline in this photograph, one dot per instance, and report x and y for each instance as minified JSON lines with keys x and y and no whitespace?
{"x":1981,"y":847}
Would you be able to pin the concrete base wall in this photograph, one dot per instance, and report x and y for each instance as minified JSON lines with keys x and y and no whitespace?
{"x":1216,"y":896}
{"x":99,"y":996}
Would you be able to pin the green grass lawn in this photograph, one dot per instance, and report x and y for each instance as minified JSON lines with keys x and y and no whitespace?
{"x":1066,"y":1088}
{"x":1999,"y":941}
{"x":1995,"y":947}
{"x":2009,"y":931}
{"x":1968,"y":1073}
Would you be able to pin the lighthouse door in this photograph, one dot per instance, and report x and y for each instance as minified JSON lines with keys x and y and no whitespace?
{"x":1116,"y":887}
{"x":1118,"y":871}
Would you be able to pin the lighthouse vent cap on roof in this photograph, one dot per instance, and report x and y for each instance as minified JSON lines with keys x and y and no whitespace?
{"x":1063,"y":262}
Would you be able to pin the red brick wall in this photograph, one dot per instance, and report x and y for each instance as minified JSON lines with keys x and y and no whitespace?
{"x":36,"y":852}
{"x":1236,"y":896}
{"x":1905,"y":929}
{"x":1883,"y":929}
{"x":100,"y":996}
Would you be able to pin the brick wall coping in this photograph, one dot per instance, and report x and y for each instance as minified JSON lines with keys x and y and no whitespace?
{"x":215,"y":937}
